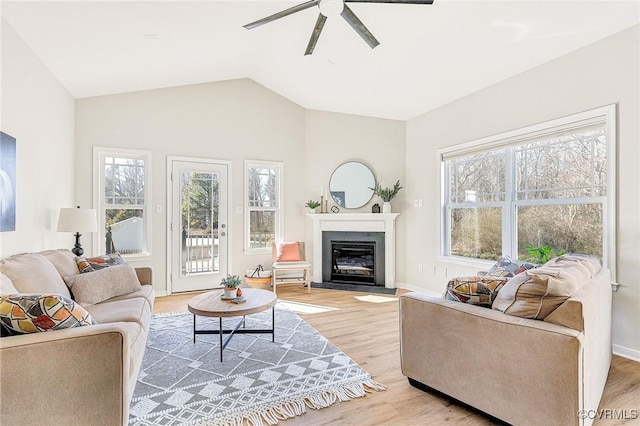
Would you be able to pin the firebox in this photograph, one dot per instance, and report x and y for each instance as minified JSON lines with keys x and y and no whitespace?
{"x":353,"y":262}
{"x":353,"y":257}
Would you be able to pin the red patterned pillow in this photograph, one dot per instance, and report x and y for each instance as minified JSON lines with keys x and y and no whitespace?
{"x":33,"y":313}
{"x":288,"y":252}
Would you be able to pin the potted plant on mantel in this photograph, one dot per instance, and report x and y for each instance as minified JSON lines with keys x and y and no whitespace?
{"x":387,"y":194}
{"x":231,"y":283}
{"x":312,"y":204}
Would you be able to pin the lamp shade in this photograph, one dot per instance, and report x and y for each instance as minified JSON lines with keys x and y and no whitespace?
{"x":77,"y":220}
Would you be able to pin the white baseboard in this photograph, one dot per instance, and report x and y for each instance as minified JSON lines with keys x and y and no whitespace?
{"x":632,"y":354}
{"x":162,"y":293}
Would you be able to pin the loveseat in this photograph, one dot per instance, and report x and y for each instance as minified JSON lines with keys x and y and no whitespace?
{"x":541,"y":356}
{"x":83,"y":375}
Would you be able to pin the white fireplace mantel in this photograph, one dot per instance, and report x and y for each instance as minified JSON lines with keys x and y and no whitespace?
{"x":357,"y":222}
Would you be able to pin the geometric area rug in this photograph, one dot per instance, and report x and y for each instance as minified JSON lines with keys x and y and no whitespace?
{"x":258,"y":383}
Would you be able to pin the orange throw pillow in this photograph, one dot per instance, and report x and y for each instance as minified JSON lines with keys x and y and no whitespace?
{"x":287,"y":252}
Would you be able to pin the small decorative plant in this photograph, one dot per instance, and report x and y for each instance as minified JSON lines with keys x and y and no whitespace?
{"x":312,"y":204}
{"x":231,"y":281}
{"x":387,"y":194}
{"x":542,"y":254}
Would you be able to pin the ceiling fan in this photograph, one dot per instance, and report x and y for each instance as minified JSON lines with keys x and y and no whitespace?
{"x":331,"y":8}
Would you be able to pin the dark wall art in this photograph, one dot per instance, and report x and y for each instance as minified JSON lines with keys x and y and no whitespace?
{"x":7,"y":183}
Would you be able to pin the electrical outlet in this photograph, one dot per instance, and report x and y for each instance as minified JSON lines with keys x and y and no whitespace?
{"x":415,"y":203}
{"x":420,"y":202}
{"x":420,"y":269}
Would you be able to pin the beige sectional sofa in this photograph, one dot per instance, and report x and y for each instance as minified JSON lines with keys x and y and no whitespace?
{"x":75,"y":376}
{"x":523,"y":371}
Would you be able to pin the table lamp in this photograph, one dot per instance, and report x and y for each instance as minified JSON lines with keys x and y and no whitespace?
{"x":77,"y":220}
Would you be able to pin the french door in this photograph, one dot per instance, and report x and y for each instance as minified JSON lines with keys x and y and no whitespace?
{"x":198,"y":224}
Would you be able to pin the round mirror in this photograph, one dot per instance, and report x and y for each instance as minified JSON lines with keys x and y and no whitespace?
{"x":351,"y":184}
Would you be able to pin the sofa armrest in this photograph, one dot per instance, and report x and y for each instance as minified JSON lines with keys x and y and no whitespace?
{"x":500,"y":364}
{"x":77,"y":376}
{"x":144,"y":274}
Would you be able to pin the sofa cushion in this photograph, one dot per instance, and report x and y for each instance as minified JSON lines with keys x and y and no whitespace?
{"x":147,"y":292}
{"x":104,"y":284}
{"x":127,"y":310}
{"x":508,"y":267}
{"x":33,"y":313}
{"x":537,"y":292}
{"x":63,"y":260}
{"x":90,"y":264}
{"x":6,"y":286}
{"x":33,"y":273}
{"x":475,"y":290}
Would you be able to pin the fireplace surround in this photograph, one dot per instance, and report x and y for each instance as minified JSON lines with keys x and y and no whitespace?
{"x":358,"y":225}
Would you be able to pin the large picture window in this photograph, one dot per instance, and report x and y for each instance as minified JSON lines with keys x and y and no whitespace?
{"x":545,"y":187}
{"x":122,"y":178}
{"x":263,"y":202}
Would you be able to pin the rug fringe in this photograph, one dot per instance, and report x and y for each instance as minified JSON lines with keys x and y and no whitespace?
{"x":272,"y":414}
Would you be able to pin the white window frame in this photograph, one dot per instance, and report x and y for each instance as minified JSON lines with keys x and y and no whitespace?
{"x":605,"y":115}
{"x":99,"y":154}
{"x":278,"y":166}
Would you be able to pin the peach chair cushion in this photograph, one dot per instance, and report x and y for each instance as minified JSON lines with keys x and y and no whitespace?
{"x":288,"y":252}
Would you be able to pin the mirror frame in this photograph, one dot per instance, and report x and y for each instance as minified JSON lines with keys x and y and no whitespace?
{"x":365,"y":192}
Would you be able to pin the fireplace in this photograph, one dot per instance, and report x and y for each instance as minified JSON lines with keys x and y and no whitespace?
{"x":353,"y":262}
{"x":353,"y":258}
{"x":382,"y":225}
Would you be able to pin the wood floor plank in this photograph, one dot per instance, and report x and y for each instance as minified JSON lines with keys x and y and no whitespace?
{"x":366,"y":329}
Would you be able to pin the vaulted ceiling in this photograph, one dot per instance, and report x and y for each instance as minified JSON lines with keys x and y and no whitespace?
{"x":429,"y":54}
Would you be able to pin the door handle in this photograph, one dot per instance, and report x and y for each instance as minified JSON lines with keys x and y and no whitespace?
{"x":222,"y":234}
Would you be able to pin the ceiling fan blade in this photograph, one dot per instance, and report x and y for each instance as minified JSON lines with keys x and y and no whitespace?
{"x":359,"y":27}
{"x":315,"y":34}
{"x":391,"y":1}
{"x":282,"y":14}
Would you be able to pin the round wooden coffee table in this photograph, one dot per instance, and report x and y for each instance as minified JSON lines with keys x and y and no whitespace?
{"x":211,"y":304}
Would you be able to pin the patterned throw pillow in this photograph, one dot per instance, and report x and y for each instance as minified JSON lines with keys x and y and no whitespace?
{"x":33,"y":313}
{"x":90,"y":264}
{"x":507,"y":267}
{"x":475,"y":290}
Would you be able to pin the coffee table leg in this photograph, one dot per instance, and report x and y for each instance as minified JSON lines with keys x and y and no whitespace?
{"x":273,"y":323}
{"x":194,"y":328}
{"x":221,"y":335}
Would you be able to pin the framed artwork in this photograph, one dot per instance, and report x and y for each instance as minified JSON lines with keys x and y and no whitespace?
{"x":7,"y":183}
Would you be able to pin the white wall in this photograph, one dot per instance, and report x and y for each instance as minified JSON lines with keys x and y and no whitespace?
{"x":606,"y":72}
{"x":231,"y":120}
{"x":38,"y":112}
{"x":332,"y":139}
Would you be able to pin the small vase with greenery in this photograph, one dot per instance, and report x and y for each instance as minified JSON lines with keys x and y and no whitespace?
{"x":231,"y":283}
{"x":312,"y":205}
{"x":387,"y":194}
{"x":542,"y":254}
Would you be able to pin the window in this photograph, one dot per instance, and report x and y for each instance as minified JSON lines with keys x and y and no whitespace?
{"x":548,"y":186}
{"x":263,"y":202}
{"x":123,"y":202}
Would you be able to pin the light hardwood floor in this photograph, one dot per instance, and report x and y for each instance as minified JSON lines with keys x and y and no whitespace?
{"x":365,"y":327}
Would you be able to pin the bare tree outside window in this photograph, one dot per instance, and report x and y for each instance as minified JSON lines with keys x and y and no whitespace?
{"x":263,"y":204}
{"x":550,"y":191}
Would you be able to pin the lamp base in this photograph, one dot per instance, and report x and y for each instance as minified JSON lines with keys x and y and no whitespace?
{"x":77,"y":248}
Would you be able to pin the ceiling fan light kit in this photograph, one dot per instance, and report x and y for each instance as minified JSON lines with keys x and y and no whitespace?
{"x":331,"y":9}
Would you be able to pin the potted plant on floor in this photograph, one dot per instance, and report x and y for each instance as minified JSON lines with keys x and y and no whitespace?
{"x":312,"y":204}
{"x":230,"y":283}
{"x":387,"y":194}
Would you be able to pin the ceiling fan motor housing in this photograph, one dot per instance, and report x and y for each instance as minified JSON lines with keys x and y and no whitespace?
{"x":331,"y":8}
